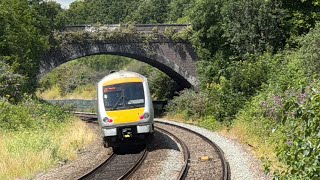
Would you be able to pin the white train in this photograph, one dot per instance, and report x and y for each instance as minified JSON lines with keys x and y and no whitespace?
{"x":125,"y":110}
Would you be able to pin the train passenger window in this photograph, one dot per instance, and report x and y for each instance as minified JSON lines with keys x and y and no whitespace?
{"x":123,"y":96}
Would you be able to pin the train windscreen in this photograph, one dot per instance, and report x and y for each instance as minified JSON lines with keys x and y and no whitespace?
{"x":123,"y":96}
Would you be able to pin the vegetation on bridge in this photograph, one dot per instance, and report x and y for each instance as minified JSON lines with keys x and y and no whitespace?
{"x":259,"y":67}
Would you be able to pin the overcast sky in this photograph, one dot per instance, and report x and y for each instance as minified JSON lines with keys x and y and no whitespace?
{"x":65,"y":3}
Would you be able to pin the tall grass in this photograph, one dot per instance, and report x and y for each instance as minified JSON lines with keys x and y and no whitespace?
{"x":87,"y":92}
{"x":35,"y":136}
{"x":25,"y":153}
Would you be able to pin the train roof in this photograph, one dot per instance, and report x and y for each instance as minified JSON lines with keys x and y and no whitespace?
{"x":121,"y":74}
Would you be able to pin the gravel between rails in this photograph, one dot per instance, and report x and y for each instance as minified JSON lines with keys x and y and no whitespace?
{"x":242,"y":163}
{"x":164,"y":159}
{"x":206,"y":169}
{"x":117,"y":166}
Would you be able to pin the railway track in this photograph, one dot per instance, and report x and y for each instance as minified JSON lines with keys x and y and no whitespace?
{"x":226,"y":175}
{"x":117,"y":166}
{"x":185,"y":151}
{"x":124,"y":169}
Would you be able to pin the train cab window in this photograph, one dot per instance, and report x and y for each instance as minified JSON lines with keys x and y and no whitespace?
{"x":123,"y":96}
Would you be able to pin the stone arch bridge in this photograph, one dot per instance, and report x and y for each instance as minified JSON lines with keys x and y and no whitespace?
{"x":157,"y":45}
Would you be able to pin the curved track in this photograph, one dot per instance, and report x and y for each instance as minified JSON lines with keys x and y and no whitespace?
{"x":117,"y":166}
{"x":123,"y":166}
{"x":225,"y":166}
{"x":185,"y":150}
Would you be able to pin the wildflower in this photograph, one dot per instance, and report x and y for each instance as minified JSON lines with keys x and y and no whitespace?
{"x":302,"y":98}
{"x":277,"y":101}
{"x":293,"y":114}
{"x":263,"y":104}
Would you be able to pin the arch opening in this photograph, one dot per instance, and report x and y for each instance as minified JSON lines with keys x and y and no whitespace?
{"x":146,"y":65}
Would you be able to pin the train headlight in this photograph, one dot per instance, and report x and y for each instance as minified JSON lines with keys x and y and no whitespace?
{"x":107,"y":120}
{"x":145,"y":116}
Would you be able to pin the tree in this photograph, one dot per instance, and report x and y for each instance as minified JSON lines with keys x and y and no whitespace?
{"x":206,"y":19}
{"x":24,"y":35}
{"x":178,"y":10}
{"x":10,"y":83}
{"x":150,"y":11}
{"x":100,"y":11}
{"x":302,"y":15}
{"x":254,"y":26}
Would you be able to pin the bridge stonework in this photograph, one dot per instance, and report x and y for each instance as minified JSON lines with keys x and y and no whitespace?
{"x":176,"y":59}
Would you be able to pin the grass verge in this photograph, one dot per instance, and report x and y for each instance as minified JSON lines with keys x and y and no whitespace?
{"x":86,"y":92}
{"x":28,"y":151}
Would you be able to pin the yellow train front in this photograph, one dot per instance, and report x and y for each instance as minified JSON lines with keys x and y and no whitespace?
{"x":125,"y":110}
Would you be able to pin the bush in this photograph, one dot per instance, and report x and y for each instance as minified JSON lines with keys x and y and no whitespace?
{"x":29,"y":114}
{"x":260,"y":27}
{"x":284,"y":112}
{"x":189,"y":103}
{"x":210,"y":123}
{"x":11,"y":84}
{"x":299,"y":151}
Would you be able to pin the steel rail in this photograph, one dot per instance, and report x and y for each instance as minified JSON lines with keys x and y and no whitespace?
{"x":134,"y":168}
{"x":225,"y":164}
{"x":89,"y":173}
{"x":186,"y":154}
{"x":126,"y":175}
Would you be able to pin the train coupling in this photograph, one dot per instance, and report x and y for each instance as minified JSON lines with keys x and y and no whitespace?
{"x":126,"y":133}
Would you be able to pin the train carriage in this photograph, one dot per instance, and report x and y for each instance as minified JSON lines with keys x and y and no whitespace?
{"x":125,"y":109}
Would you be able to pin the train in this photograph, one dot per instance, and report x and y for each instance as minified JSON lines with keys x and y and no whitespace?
{"x":125,"y":109}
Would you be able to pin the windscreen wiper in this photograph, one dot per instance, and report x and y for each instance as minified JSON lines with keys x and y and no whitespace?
{"x":117,"y":103}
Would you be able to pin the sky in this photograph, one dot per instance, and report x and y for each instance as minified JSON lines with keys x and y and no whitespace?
{"x":65,"y":3}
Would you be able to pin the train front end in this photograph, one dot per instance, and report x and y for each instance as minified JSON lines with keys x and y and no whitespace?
{"x":125,"y":110}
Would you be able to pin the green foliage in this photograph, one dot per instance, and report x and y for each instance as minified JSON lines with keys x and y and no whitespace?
{"x":87,"y":70}
{"x":309,"y":51}
{"x":178,"y":10}
{"x":302,"y":15}
{"x":300,"y":150}
{"x":210,"y":123}
{"x":123,"y":11}
{"x":150,"y":11}
{"x":253,"y":26}
{"x":287,"y":105}
{"x":232,"y":39}
{"x":231,"y":84}
{"x":190,"y":104}
{"x":10,"y":83}
{"x":161,"y":86}
{"x":206,"y":19}
{"x":104,"y":12}
{"x":25,"y":27}
{"x":29,"y":114}
{"x":20,"y":41}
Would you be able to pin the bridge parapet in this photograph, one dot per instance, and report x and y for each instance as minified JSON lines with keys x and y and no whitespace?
{"x":141,"y":28}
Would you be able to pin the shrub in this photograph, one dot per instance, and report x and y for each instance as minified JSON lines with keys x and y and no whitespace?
{"x":29,"y":114}
{"x":11,"y":84}
{"x":289,"y":122}
{"x":210,"y":123}
{"x":189,"y":103}
{"x":300,"y":147}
